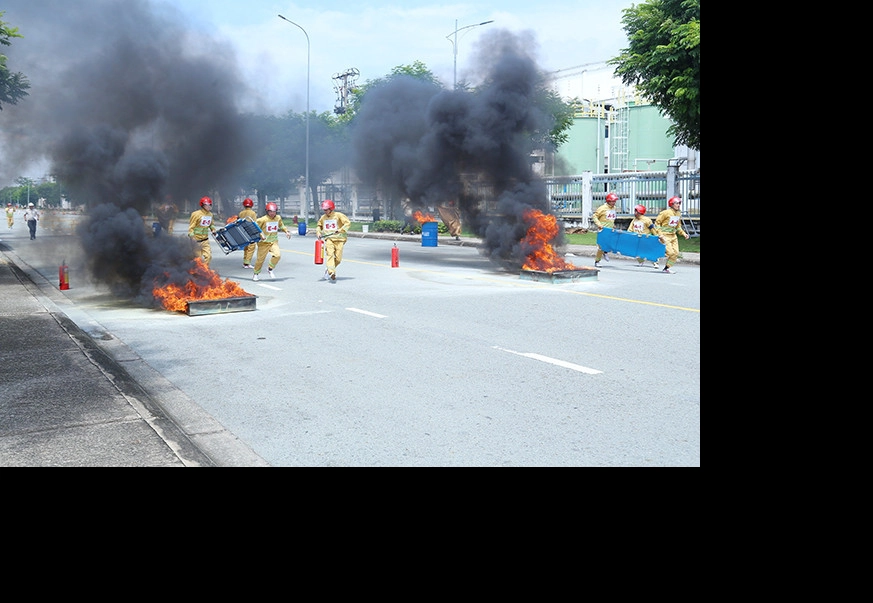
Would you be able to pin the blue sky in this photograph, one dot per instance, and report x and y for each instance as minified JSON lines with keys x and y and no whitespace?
{"x":376,"y":36}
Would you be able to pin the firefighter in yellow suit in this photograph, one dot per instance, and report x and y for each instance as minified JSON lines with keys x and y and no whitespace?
{"x":668,"y":225}
{"x":10,"y":215}
{"x":641,"y":225}
{"x":199,"y":227}
{"x":248,"y":214}
{"x":270,"y":226}
{"x":604,"y":217}
{"x":332,"y":227}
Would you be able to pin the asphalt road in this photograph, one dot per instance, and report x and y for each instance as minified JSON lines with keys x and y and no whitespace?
{"x":446,"y":360}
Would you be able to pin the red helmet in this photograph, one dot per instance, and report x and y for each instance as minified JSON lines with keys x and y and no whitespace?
{"x":640,"y":209}
{"x":611,"y":198}
{"x":328,"y":204}
{"x":205,"y":201}
{"x":674,"y":200}
{"x":272,"y":206}
{"x":248,"y":203}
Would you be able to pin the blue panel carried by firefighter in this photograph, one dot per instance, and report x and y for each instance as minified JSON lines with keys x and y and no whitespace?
{"x":237,"y":235}
{"x":631,"y":244}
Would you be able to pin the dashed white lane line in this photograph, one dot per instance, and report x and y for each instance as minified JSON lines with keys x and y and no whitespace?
{"x":555,"y":361}
{"x":373,"y":314}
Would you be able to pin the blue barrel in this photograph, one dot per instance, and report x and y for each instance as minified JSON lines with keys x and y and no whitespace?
{"x":429,"y":234}
{"x":301,"y":229}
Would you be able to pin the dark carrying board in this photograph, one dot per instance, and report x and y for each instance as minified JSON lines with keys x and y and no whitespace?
{"x":237,"y":235}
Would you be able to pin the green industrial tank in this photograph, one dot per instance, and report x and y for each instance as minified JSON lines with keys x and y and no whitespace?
{"x":604,"y":138}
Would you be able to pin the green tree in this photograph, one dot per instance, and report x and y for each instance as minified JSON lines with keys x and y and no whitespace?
{"x":562,"y":113}
{"x":279,"y":165}
{"x":13,"y":86}
{"x":663,"y":61}
{"x":276,"y":162}
{"x":51,"y":192}
{"x":417,"y":70}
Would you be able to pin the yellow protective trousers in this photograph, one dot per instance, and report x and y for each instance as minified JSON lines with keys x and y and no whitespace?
{"x":671,"y":243}
{"x":265,"y":247}
{"x":333,"y":251}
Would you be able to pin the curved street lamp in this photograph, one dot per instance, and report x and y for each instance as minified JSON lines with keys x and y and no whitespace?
{"x":455,"y":46}
{"x":306,"y":195}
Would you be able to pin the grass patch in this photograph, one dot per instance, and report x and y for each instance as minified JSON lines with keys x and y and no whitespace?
{"x":692,"y":245}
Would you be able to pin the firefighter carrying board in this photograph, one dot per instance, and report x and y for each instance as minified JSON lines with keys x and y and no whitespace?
{"x":631,"y":244}
{"x":237,"y":235}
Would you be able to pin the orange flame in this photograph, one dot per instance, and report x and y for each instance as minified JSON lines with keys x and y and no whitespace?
{"x":542,"y":257}
{"x":233,"y":218}
{"x":204,"y":284}
{"x":421,"y":218}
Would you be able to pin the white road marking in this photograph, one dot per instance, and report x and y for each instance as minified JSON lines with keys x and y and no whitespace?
{"x":265,"y":286}
{"x":555,"y":361}
{"x":373,"y":314}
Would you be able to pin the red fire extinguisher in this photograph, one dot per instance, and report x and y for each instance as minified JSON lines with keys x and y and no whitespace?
{"x":395,"y":256}
{"x":64,"y":276}
{"x":319,"y":251}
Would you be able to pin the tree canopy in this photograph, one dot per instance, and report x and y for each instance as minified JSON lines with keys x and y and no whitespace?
{"x":13,"y":86}
{"x":663,"y":61}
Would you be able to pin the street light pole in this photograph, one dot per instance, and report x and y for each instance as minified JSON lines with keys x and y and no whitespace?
{"x":306,"y":195}
{"x":455,"y":46}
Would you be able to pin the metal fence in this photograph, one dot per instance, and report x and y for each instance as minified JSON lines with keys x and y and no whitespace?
{"x":574,"y":198}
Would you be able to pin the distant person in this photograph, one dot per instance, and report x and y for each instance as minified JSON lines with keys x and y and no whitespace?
{"x":332,"y":228}
{"x":165,"y":213}
{"x":641,"y":225}
{"x":199,"y":226}
{"x":668,"y":225}
{"x":270,"y":225}
{"x":174,"y":213}
{"x":31,"y":216}
{"x":248,"y":214}
{"x":604,"y":217}
{"x":451,"y":218}
{"x":10,"y":215}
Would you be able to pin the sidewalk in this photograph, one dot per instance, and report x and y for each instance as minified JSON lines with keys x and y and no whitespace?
{"x":65,"y":402}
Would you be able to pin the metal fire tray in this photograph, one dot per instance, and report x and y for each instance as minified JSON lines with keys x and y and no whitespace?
{"x":237,"y":235}
{"x":559,"y":276}
{"x":198,"y":307}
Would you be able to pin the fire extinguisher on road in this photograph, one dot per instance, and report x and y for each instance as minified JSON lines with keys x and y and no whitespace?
{"x":319,"y":251}
{"x":395,"y":256}
{"x":64,"y":276}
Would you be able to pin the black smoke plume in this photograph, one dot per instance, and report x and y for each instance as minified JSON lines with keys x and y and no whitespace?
{"x":417,"y":141}
{"x":129,"y":108}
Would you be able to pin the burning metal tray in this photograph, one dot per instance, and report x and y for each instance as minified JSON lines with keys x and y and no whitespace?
{"x":559,"y":276}
{"x":199,"y":307}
